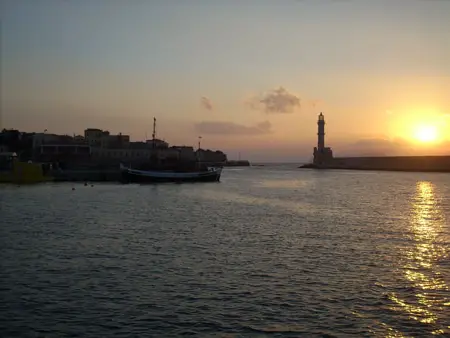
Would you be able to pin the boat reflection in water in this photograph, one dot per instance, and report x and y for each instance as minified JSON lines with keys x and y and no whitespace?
{"x":427,"y":298}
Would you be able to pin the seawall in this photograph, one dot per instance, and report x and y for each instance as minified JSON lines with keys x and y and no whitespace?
{"x":86,"y":175}
{"x":389,"y":163}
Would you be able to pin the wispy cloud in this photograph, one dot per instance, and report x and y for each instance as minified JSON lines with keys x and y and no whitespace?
{"x":276,"y":101}
{"x":206,"y":103}
{"x":378,"y":147}
{"x":231,"y":128}
{"x":394,"y":147}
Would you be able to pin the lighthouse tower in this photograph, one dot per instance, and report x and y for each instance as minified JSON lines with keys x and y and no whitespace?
{"x":321,"y":132}
{"x":322,"y":155}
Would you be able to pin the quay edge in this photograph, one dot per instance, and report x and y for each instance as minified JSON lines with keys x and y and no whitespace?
{"x":388,"y":163}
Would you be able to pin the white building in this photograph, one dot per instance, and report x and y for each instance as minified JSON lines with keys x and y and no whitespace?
{"x":98,"y":138}
{"x":120,"y":153}
{"x":40,"y":139}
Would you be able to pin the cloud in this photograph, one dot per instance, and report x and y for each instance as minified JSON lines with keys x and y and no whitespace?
{"x":206,"y":103}
{"x":277,"y":101}
{"x":231,"y":128}
{"x":381,"y":147}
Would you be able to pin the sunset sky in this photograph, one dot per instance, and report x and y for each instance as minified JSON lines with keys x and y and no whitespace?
{"x":249,"y":76}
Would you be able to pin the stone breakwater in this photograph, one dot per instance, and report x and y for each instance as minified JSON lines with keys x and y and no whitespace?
{"x":388,"y":163}
{"x":111,"y":175}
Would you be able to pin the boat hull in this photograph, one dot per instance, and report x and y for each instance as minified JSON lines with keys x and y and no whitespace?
{"x":139,"y":176}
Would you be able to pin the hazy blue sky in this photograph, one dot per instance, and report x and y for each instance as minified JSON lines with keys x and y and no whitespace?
{"x":247,"y":75}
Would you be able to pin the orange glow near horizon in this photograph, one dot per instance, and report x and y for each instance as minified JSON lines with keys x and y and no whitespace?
{"x":422,"y":127}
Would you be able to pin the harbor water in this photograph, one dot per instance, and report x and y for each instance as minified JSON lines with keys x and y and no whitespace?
{"x":270,"y":251}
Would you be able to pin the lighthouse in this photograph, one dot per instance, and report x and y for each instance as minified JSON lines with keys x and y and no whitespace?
{"x":321,"y":132}
{"x":322,"y":155}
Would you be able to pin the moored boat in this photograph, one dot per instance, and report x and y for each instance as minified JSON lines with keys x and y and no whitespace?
{"x":130,"y":175}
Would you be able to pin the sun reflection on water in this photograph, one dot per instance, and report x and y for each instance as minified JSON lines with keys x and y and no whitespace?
{"x":421,"y":268}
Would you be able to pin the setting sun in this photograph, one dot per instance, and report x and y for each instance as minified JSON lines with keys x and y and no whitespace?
{"x":426,"y":134}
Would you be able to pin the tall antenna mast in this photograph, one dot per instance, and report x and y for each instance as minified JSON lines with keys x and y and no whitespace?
{"x":154,"y":129}
{"x":154,"y":132}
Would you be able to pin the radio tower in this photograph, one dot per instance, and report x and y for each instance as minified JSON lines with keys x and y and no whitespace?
{"x":154,"y":132}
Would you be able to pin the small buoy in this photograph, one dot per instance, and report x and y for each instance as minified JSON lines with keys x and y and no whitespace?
{"x":92,"y":185}
{"x":73,"y":188}
{"x":85,"y":184}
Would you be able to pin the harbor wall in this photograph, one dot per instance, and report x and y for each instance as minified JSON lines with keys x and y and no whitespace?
{"x":86,"y":175}
{"x":97,"y":173}
{"x":394,"y":163}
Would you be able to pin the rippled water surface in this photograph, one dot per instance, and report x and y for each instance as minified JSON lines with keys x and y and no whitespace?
{"x":269,"y":251}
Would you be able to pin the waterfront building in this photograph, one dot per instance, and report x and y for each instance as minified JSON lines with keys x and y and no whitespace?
{"x":158,"y":144}
{"x":103,"y":139}
{"x":211,"y":156}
